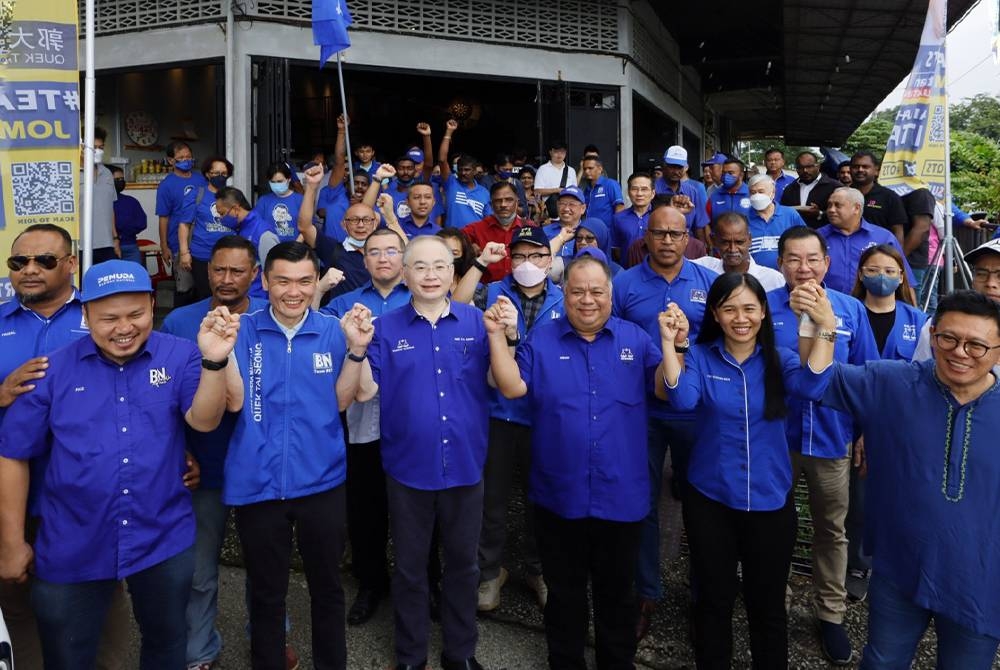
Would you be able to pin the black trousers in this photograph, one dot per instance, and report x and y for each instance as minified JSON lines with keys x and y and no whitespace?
{"x":265,"y":531}
{"x":719,"y":537}
{"x":367,"y":516}
{"x":202,"y":289}
{"x":573,"y":552}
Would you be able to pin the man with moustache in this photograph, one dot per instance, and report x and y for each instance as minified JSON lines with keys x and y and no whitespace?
{"x":500,"y":227}
{"x":730,"y":236}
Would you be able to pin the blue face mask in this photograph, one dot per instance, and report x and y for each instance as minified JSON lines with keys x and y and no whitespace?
{"x":728,"y":181}
{"x":230,"y":221}
{"x":881,"y":285}
{"x":218,"y":181}
{"x":504,"y":174}
{"x":184,"y":165}
{"x":279,"y":187}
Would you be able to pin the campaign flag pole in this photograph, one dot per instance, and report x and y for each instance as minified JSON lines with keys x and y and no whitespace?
{"x":89,"y":91}
{"x":330,"y":19}
{"x":918,"y":153}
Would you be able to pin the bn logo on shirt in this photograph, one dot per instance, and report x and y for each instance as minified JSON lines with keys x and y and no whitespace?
{"x":158,"y":377}
{"x":322,"y":363}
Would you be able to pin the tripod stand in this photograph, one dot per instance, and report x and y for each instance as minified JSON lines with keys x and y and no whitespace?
{"x":930,"y":283}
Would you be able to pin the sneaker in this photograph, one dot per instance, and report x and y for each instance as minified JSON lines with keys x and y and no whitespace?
{"x":857,"y":585}
{"x":537,"y":584}
{"x":202,"y":666}
{"x":836,"y":645}
{"x":291,"y":658}
{"x":489,"y":592}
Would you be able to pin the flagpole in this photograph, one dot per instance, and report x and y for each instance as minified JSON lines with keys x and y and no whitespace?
{"x":949,"y":228}
{"x":89,"y":88}
{"x":347,"y":125}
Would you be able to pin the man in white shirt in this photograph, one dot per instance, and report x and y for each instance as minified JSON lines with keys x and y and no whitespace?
{"x":555,"y":175}
{"x":730,"y":236}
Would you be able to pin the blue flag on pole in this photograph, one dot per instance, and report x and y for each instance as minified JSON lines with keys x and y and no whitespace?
{"x":330,"y":19}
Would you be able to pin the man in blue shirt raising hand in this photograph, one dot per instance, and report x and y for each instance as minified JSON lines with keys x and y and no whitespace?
{"x":109,"y":415}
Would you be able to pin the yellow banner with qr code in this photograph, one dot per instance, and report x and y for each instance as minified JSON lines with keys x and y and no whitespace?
{"x":39,"y":120}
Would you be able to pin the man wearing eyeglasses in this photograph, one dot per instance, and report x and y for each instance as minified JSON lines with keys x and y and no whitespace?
{"x":367,"y":508}
{"x":984,"y":261}
{"x":848,"y":235}
{"x":629,"y":224}
{"x":933,"y":488}
{"x":537,"y":301}
{"x":430,"y":360}
{"x":640,"y":294}
{"x":349,"y":257}
{"x":821,"y":440}
{"x":45,"y":315}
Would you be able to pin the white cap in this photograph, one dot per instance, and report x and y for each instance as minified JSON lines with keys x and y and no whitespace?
{"x":676,"y":155}
{"x":991,"y":246}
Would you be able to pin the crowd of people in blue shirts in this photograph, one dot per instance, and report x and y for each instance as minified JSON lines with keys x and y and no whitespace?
{"x":379,"y":352}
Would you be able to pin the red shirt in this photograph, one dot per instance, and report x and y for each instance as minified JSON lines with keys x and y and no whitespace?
{"x":490,"y":230}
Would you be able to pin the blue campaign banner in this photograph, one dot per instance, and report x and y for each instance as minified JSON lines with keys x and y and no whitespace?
{"x":39,"y":114}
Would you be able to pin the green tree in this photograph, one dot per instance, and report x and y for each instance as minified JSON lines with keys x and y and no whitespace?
{"x":979,"y":114}
{"x":975,"y":172}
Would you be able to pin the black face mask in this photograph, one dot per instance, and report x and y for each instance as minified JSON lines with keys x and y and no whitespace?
{"x":119,"y":185}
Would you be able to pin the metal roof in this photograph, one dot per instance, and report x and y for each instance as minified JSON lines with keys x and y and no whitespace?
{"x":807,"y":70}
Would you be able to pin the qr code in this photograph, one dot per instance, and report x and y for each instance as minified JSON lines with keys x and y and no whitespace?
{"x":44,"y":187}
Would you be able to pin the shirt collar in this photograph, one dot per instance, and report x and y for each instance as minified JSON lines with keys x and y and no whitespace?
{"x":88,"y":349}
{"x":292,"y":331}
{"x":566,"y":328}
{"x":649,"y":274}
{"x":719,"y":346}
{"x":414,"y":314}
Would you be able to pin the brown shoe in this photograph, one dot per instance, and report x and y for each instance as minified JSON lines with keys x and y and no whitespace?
{"x":646,"y":609}
{"x":291,"y":658}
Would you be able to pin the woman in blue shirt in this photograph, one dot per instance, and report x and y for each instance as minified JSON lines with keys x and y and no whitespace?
{"x":199,"y":236}
{"x":896,"y":324}
{"x":738,"y":508}
{"x":280,"y":206}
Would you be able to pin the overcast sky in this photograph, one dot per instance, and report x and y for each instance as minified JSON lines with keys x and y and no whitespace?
{"x":970,"y":61}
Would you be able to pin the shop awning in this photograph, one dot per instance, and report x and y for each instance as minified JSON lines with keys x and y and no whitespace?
{"x":808,"y":70}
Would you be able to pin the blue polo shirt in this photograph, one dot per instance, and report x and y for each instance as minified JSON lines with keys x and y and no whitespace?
{"x":845,"y":252}
{"x":370,"y":297}
{"x":282,"y":213}
{"x":434,"y":394}
{"x":742,"y":461}
{"x":401,"y":207}
{"x":568,"y":250}
{"x":764,"y":235}
{"x":207,"y":227}
{"x":370,"y":170}
{"x":931,"y":515}
{"x":697,"y":217}
{"x":175,"y":197}
{"x":465,"y":205}
{"x":627,"y":227}
{"x":724,"y":201}
{"x":333,"y":200}
{"x":902,"y":340}
{"x":209,"y":449}
{"x":288,"y":441}
{"x":588,"y":412}
{"x":640,"y":294}
{"x":812,"y":429}
{"x":413,"y":230}
{"x":518,"y":410}
{"x":602,"y":198}
{"x":112,"y":502}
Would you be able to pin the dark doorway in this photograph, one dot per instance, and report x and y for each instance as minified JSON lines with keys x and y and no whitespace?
{"x":652,"y":132}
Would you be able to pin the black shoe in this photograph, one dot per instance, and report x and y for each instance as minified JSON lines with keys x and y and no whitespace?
{"x":364,"y":607}
{"x":857,"y":585}
{"x":835,"y":643}
{"x":467,"y":664}
{"x":435,"y":603}
{"x":420,"y":666}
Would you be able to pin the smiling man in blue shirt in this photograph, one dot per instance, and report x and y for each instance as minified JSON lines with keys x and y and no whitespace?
{"x":430,"y":360}
{"x":603,"y":194}
{"x":110,"y":415}
{"x":589,"y":477}
{"x":821,"y":439}
{"x":673,"y":183}
{"x":640,"y":294}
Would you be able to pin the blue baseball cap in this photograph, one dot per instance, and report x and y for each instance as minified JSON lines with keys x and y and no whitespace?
{"x":715,"y":159}
{"x":573,"y":192}
{"x":113,"y":277}
{"x":415,"y":155}
{"x":594,"y":252}
{"x":530,"y":235}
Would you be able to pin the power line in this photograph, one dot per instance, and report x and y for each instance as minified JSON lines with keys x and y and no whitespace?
{"x":955,"y":81}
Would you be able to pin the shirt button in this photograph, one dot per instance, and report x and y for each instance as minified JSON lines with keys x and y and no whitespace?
{"x":445,"y":441}
{"x":439,"y":370}
{"x":121,"y":399}
{"x":124,"y":429}
{"x":437,"y":348}
{"x":441,"y":394}
{"x":124,"y":522}
{"x":444,"y":418}
{"x":595,"y":417}
{"x":124,"y":460}
{"x":121,"y":369}
{"x":125,"y":492}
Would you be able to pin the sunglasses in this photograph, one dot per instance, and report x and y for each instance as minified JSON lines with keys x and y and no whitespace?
{"x":46,"y":261}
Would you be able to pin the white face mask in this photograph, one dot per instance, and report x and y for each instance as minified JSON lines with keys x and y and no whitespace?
{"x":98,"y":156}
{"x":357,"y":244}
{"x":760,"y":201}
{"x":528,"y":274}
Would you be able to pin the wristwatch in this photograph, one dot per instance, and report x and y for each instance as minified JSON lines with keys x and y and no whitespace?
{"x":828,"y":335}
{"x":684,"y":346}
{"x":357,"y":359}
{"x":214,"y":365}
{"x":479,"y":266}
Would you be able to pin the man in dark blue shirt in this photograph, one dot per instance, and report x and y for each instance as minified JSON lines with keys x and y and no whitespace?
{"x":589,"y":477}
{"x":109,"y":415}
{"x":232,"y":268}
{"x":430,"y":360}
{"x":733,"y":195}
{"x":130,"y":219}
